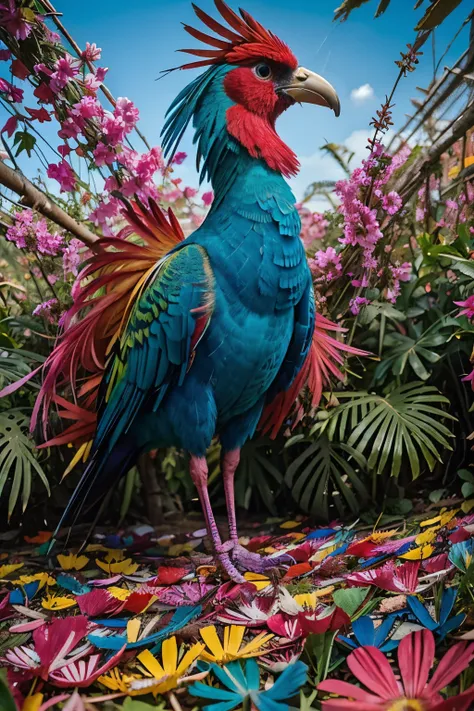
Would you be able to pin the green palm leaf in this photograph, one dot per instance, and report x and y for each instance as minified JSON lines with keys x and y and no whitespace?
{"x":327,"y":472}
{"x":17,"y":459}
{"x":387,"y":430}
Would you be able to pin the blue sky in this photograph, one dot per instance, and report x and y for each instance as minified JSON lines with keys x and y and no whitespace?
{"x":140,"y":38}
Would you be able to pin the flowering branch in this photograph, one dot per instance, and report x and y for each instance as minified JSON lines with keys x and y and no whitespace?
{"x":37,"y":200}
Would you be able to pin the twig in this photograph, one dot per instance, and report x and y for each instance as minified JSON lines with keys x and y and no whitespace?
{"x":34,"y":198}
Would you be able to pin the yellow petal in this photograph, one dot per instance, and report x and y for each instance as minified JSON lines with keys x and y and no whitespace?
{"x":151,"y":664}
{"x":253,"y":648}
{"x":7,"y":569}
{"x":32,"y":703}
{"x":170,"y":655}
{"x":55,"y":602}
{"x":427,"y":536}
{"x":189,"y":658}
{"x":133,"y":628}
{"x":418,"y":553}
{"x":43,"y":578}
{"x":260,"y":581}
{"x":119,"y":593}
{"x":210,"y":637}
{"x":233,"y":637}
{"x":290,"y":524}
{"x":72,"y":562}
{"x":124,"y":567}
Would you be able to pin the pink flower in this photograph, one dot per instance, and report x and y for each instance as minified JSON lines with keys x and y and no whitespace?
{"x":72,"y":257}
{"x":189,"y":193}
{"x":12,"y":92}
{"x":66,"y":69}
{"x":392,"y":202}
{"x":91,"y":53}
{"x":104,"y":155}
{"x":64,"y":150}
{"x":415,"y":659}
{"x":401,"y":579}
{"x":12,"y":18}
{"x":71,"y":127}
{"x":93,"y":82}
{"x":114,"y":128}
{"x":63,"y":173}
{"x":105,"y":211}
{"x":47,"y":243}
{"x":467,"y":307}
{"x":179,"y":157}
{"x":49,"y":310}
{"x":127,"y":111}
{"x":21,"y":232}
{"x":88,"y":107}
{"x":356,"y":303}
{"x":207,"y":198}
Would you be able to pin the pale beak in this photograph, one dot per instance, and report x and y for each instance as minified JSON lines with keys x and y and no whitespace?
{"x":310,"y":88}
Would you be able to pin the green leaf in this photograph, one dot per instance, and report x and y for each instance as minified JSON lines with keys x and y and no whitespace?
{"x":436,"y":13}
{"x":327,"y":472}
{"x":16,"y":458}
{"x":467,"y":489}
{"x":26,"y":142}
{"x":134,"y":705}
{"x":436,"y":495}
{"x":6,"y":699}
{"x":402,"y":426}
{"x":350,"y":599}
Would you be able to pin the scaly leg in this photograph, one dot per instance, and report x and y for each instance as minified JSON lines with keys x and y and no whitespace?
{"x":245,"y":558}
{"x":198,"y":470}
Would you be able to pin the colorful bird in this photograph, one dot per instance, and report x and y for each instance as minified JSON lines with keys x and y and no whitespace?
{"x":212,"y":336}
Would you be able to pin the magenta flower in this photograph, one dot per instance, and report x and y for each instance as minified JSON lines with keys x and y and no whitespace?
{"x":467,"y":306}
{"x":179,"y":157}
{"x":47,"y":243}
{"x":63,"y":173}
{"x":49,"y":310}
{"x":13,"y":20}
{"x":72,"y":257}
{"x":66,"y":69}
{"x":91,"y":53}
{"x":88,"y":107}
{"x":207,"y":198}
{"x":392,"y":202}
{"x":104,"y":155}
{"x":12,"y":92}
{"x":127,"y":111}
{"x":401,"y":579}
{"x":415,"y":659}
{"x":93,"y":82}
{"x":469,"y":379}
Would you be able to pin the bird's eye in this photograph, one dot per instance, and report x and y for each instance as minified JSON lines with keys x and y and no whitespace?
{"x":263,"y":71}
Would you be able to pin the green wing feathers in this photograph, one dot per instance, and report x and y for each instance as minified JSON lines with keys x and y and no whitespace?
{"x":155,"y":349}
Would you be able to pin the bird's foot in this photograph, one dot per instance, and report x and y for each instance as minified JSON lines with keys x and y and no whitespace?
{"x":256,"y":563}
{"x":222,"y":553}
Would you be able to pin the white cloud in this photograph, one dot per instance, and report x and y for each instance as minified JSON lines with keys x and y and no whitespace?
{"x":362,"y":93}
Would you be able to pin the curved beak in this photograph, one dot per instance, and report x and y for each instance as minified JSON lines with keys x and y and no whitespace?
{"x":310,"y":88}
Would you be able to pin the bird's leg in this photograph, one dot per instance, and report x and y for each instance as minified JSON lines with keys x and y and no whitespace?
{"x":198,"y":470}
{"x":245,"y":558}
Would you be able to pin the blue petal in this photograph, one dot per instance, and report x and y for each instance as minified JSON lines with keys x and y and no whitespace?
{"x":391,"y":644}
{"x":383,"y":630}
{"x":348,"y":641}
{"x":69,"y":583}
{"x":450,"y":625}
{"x":288,"y":683}
{"x":363,"y":629}
{"x":320,"y":533}
{"x":421,"y":613}
{"x":253,"y":675}
{"x":447,"y":603}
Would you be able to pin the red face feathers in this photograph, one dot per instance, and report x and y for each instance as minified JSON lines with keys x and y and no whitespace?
{"x":266,"y":80}
{"x":243,"y":43}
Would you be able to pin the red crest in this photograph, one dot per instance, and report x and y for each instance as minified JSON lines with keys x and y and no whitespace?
{"x":243,"y":42}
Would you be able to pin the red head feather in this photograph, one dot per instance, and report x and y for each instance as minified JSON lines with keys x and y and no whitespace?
{"x":244,"y":42}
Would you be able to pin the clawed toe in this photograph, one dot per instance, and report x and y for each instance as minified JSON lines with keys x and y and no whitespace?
{"x":256,"y":563}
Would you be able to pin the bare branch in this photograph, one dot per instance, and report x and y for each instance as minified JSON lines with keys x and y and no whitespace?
{"x":32,"y":197}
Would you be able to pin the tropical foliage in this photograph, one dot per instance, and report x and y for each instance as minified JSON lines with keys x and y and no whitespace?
{"x":393,"y":269}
